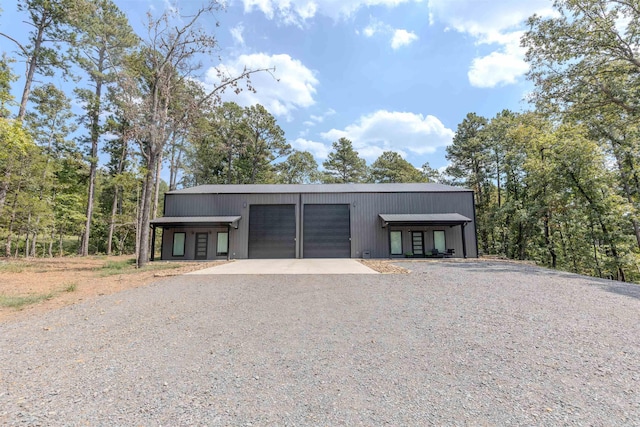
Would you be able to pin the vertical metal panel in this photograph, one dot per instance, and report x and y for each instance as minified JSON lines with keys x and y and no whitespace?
{"x":272,"y":231}
{"x":366,"y":229}
{"x":326,"y":231}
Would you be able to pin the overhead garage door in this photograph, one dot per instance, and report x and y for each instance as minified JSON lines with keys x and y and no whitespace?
{"x":272,"y":231}
{"x":326,"y":231}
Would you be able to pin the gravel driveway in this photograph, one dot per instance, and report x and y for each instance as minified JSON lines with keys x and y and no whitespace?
{"x":449,"y":344}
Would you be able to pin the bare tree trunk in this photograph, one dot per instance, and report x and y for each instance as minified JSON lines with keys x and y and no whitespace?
{"x":145,"y":211}
{"x":112,"y":221}
{"x":34,"y":243}
{"x":4,"y":189}
{"x":94,"y":115}
{"x":51,"y":242}
{"x":156,"y":194}
{"x":60,"y":242}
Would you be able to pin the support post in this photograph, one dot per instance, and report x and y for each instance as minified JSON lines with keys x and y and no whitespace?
{"x":153,"y":242}
{"x":464,"y":241}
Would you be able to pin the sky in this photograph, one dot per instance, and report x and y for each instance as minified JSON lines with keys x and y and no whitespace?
{"x":396,"y":75}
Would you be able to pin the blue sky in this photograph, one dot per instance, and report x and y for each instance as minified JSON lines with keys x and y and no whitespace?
{"x":388,"y":74}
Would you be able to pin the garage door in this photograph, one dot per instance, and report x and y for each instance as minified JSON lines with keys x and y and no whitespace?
{"x":272,"y":231}
{"x":326,"y":231}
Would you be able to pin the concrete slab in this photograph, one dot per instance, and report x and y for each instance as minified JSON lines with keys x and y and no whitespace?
{"x":289,"y":266}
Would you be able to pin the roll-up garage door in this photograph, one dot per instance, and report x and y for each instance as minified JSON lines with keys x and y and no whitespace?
{"x":272,"y":231}
{"x":326,"y":231}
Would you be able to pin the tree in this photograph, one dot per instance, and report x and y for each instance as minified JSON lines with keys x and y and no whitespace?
{"x":585,"y":65}
{"x":343,"y":165}
{"x":166,"y":60}
{"x":265,"y":143}
{"x":105,"y":37}
{"x":299,"y":168}
{"x":391,"y":167}
{"x":43,"y":54}
{"x":50,"y":124}
{"x":470,"y":161}
{"x":585,"y":56}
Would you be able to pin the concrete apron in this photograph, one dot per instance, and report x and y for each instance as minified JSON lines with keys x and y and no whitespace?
{"x":289,"y":266}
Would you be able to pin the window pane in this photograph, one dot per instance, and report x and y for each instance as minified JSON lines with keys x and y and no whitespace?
{"x":178,"y":244}
{"x":396,"y":243}
{"x":438,"y":241}
{"x":223,"y":244}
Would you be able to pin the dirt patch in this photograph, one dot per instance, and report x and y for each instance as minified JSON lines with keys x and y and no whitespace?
{"x":384,"y":266}
{"x":58,"y":282}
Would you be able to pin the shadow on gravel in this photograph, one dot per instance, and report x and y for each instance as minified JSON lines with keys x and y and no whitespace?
{"x":626,"y":289}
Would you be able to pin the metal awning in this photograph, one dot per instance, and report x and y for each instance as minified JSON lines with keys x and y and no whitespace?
{"x":196,"y":221}
{"x":442,"y":219}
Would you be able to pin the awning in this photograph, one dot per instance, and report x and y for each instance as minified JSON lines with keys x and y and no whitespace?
{"x":424,"y":219}
{"x":196,"y":221}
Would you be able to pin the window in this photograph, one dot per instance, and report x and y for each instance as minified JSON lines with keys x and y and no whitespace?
{"x":222,"y":247}
{"x":439,"y":241}
{"x":178,"y":243}
{"x":396,"y":242}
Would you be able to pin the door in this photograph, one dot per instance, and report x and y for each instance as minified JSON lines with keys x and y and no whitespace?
{"x":417,"y":242}
{"x":272,"y":231}
{"x":202,"y":241}
{"x":326,"y":231}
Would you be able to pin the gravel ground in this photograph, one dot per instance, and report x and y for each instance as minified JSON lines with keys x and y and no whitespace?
{"x":448,"y":344}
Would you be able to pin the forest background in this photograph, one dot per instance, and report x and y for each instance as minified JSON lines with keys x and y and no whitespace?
{"x":557,"y":184}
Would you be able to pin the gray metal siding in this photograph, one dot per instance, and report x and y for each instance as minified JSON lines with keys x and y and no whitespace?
{"x":190,"y":242}
{"x":366,"y":229}
{"x":367,"y":233}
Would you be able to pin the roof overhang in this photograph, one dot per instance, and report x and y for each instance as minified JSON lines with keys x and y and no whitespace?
{"x":196,"y":221}
{"x":444,"y":219}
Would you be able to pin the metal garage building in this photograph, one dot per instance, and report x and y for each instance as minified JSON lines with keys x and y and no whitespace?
{"x":317,"y":221}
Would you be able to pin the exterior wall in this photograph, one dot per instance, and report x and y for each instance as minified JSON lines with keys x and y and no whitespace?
{"x":367,"y":233}
{"x":190,"y":242}
{"x":452,"y":236}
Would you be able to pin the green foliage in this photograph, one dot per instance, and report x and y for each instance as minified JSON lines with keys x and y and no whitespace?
{"x":112,"y":268}
{"x":299,"y":168}
{"x":343,"y":165}
{"x":21,"y":301}
{"x":391,"y":167}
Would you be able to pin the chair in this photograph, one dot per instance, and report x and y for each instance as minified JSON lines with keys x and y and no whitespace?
{"x":450,"y":253}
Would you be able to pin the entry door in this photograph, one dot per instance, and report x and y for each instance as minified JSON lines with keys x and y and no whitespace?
{"x":417,"y":242}
{"x":202,"y":241}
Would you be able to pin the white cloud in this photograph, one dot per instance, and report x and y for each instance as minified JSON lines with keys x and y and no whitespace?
{"x":289,"y":87}
{"x":402,"y":38}
{"x":395,"y":131}
{"x":236,"y":33}
{"x":497,"y":23}
{"x":496,"y":69}
{"x":374,"y":27}
{"x":318,"y":149}
{"x":399,"y":37}
{"x":320,"y":118}
{"x":297,"y":11}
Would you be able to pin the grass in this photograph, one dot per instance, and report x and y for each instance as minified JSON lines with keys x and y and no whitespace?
{"x":21,"y":301}
{"x":14,"y":267}
{"x":128,"y":266}
{"x":70,"y":287}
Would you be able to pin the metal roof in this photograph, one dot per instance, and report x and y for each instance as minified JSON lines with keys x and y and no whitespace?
{"x":195,"y":220}
{"x":319,"y":188}
{"x":431,"y":219}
